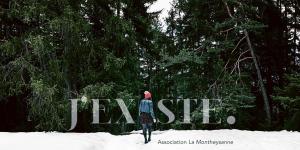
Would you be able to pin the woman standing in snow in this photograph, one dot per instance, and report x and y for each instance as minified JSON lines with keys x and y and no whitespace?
{"x":146,"y":115}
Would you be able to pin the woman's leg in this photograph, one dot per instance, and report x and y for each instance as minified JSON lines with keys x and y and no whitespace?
{"x":149,"y":126}
{"x":145,"y":132}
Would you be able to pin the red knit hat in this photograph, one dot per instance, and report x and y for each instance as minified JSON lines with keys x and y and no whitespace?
{"x":147,"y":94}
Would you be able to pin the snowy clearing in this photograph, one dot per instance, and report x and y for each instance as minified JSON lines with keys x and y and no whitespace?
{"x":246,"y":140}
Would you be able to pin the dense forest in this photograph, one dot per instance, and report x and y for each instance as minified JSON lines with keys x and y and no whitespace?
{"x":244,"y":52}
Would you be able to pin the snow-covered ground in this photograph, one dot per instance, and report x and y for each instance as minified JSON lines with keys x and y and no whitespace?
{"x":242,"y":140}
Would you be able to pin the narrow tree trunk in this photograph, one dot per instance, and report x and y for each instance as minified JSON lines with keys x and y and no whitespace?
{"x":295,"y":33}
{"x":118,"y":8}
{"x":260,"y":80}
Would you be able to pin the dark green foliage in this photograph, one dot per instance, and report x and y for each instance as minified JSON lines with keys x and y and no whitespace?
{"x":66,"y":49}
{"x":287,"y":101}
{"x":52,"y":51}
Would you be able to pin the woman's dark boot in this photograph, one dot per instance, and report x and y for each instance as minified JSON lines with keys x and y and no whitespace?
{"x":145,"y":136}
{"x":149,"y":138}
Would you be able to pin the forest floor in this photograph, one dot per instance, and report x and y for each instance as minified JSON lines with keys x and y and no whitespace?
{"x":177,"y":140}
